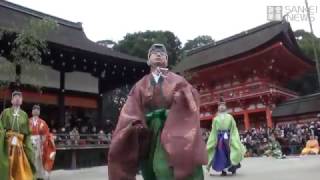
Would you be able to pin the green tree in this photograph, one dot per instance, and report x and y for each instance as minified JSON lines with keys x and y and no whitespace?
{"x":304,"y":40}
{"x":198,"y":42}
{"x":307,"y":83}
{"x":137,"y":44}
{"x":28,"y":48}
{"x":113,"y":101}
{"x":107,"y":43}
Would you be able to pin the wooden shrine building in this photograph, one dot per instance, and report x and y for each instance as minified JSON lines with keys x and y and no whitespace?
{"x":298,"y":110}
{"x":249,"y":70}
{"x":79,"y":71}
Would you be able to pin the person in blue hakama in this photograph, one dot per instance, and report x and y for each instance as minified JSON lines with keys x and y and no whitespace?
{"x":225,"y":150}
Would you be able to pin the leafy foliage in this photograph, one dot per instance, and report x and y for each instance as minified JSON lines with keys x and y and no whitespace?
{"x":198,"y":42}
{"x":138,"y":44}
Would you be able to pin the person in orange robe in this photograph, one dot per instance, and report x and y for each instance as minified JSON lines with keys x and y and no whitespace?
{"x":312,"y":146}
{"x":43,"y":144}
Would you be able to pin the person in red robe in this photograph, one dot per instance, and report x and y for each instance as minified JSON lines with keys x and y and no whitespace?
{"x":42,"y":141}
{"x":158,"y":129}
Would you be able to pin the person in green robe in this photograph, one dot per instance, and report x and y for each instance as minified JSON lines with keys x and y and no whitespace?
{"x":16,"y":151}
{"x":274,"y":148}
{"x":225,"y":150}
{"x":158,"y":130}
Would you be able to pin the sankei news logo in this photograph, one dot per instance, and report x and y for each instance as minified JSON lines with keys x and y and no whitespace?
{"x":291,"y":13}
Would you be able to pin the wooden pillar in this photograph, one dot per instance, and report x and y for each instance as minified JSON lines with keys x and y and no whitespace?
{"x":61,"y":102}
{"x":269,"y":118}
{"x":5,"y":95}
{"x":73,"y":159}
{"x":99,"y":122}
{"x":246,"y":120}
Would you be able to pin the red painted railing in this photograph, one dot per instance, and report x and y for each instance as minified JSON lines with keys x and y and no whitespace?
{"x":248,"y":90}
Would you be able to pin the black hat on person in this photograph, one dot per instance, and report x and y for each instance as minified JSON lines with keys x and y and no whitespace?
{"x":157,"y":48}
{"x":36,"y":106}
{"x":16,"y":93}
{"x":221,"y":101}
